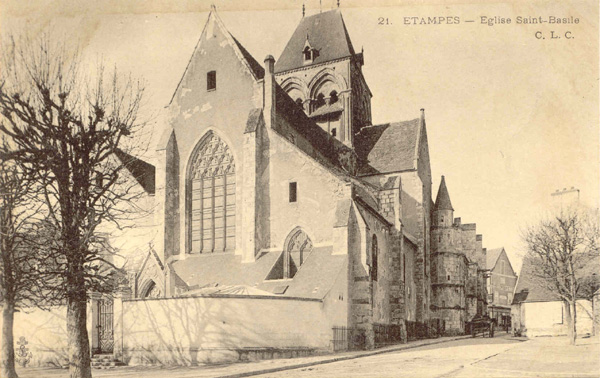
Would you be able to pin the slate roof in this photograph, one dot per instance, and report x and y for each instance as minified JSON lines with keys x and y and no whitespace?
{"x":329,"y":147}
{"x":256,"y":68}
{"x":442,"y":201}
{"x":327,"y":34}
{"x":492,"y":256}
{"x":390,"y":147}
{"x":144,"y":173}
{"x":314,"y":279}
{"x":526,"y":281}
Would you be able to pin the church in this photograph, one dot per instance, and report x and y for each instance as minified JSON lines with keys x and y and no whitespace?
{"x":271,"y":182}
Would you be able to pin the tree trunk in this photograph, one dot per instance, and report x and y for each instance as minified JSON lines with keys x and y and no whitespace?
{"x":79,"y":346}
{"x":574,"y":323}
{"x":8,"y":343}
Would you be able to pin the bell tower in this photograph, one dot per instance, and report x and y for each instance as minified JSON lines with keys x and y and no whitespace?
{"x":322,"y":73}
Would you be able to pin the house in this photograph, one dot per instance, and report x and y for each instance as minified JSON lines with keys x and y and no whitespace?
{"x":500,"y":285}
{"x":536,"y":311}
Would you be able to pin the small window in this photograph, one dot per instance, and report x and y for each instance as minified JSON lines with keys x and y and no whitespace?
{"x":293,"y":191}
{"x":211,"y":80}
{"x":307,"y":54}
{"x":333,"y":132}
{"x":448,"y":277}
{"x":374,"y":262}
{"x":299,"y":101}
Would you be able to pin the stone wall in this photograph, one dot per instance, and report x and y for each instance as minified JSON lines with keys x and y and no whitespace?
{"x":187,"y":331}
{"x":46,"y":334}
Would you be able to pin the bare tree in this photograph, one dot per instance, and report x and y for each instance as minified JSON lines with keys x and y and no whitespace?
{"x":564,"y":253}
{"x":19,"y":283}
{"x":66,"y":126}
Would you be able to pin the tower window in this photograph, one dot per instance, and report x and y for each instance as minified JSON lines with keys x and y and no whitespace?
{"x":333,"y":132}
{"x":293,"y":191}
{"x":320,"y":101}
{"x":211,"y":80}
{"x":333,"y":97}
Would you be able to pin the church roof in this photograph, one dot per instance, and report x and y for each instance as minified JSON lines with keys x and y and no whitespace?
{"x":327,"y":34}
{"x":442,"y":201}
{"x":390,"y":147}
{"x":144,"y":173}
{"x":314,"y":279}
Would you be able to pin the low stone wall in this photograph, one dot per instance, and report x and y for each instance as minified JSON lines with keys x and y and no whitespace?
{"x":187,"y":331}
{"x":45,"y":333}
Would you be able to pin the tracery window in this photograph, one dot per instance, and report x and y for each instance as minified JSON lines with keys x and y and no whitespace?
{"x":298,"y":248}
{"x":211,"y":197}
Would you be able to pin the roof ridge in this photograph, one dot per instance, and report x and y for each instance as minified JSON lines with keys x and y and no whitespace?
{"x":239,"y":50}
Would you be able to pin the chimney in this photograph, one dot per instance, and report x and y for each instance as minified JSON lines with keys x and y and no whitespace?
{"x":269,"y":85}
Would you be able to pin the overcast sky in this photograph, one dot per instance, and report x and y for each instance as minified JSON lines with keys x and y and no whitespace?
{"x":510,"y":117}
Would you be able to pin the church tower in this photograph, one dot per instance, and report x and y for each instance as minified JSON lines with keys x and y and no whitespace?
{"x":320,"y":70}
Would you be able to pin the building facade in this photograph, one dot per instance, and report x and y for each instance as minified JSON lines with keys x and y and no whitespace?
{"x":500,"y":286}
{"x":273,"y":183}
{"x":458,"y":272}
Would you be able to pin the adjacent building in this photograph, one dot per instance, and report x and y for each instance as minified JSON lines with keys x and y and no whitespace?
{"x":500,"y":286}
{"x":537,"y":311}
{"x":458,"y":270}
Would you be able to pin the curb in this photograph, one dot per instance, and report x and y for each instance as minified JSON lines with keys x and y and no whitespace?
{"x":342,"y":358}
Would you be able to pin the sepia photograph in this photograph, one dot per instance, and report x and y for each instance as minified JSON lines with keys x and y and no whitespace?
{"x":299,"y":188}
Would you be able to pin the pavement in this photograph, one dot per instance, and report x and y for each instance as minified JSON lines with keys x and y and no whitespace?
{"x":502,"y":356}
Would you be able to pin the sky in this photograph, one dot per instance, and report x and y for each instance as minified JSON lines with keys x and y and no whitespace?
{"x":512,"y":113}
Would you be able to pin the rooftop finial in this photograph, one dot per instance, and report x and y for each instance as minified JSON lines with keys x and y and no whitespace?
{"x":303,"y":10}
{"x":213,"y":7}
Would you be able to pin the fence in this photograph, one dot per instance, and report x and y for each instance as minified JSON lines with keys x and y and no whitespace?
{"x":418,"y":330}
{"x":340,"y":341}
{"x":388,"y":334}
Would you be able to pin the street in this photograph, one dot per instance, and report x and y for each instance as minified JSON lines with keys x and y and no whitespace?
{"x":502,"y":356}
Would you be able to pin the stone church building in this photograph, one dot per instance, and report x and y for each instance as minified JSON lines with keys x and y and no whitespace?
{"x":271,"y":181}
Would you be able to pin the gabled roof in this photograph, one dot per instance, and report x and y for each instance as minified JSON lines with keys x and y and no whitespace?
{"x":255,"y":69}
{"x":390,"y":147}
{"x":528,"y":289}
{"x":144,"y":173}
{"x":327,"y":34}
{"x":492,"y":256}
{"x":442,"y":201}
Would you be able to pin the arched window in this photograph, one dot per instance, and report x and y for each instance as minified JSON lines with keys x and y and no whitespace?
{"x":297,"y":249}
{"x":333,"y":97}
{"x":211,"y":197}
{"x":299,"y":101}
{"x":151,"y":291}
{"x":374,"y":257}
{"x":320,"y":101}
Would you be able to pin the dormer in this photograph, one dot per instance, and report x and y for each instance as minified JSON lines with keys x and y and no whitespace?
{"x":308,"y":53}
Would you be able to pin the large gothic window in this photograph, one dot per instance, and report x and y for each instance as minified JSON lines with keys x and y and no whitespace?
{"x":211,"y":197}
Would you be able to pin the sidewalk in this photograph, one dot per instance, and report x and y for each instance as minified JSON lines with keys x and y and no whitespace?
{"x":541,"y":357}
{"x":242,"y":369}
